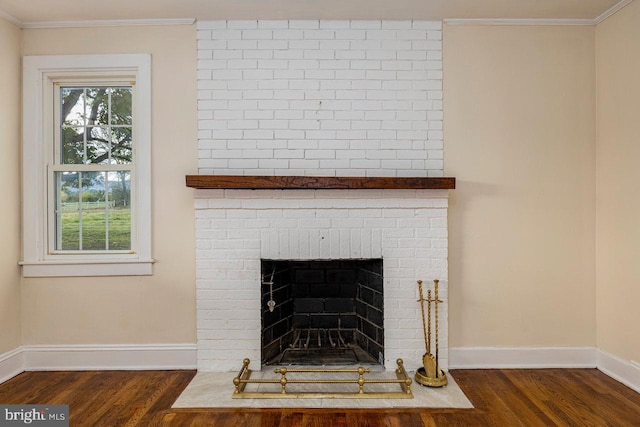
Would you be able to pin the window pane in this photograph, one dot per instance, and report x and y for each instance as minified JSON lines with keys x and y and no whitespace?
{"x":121,"y":106}
{"x":72,"y":145}
{"x":119,"y":189}
{"x":121,"y":152}
{"x":67,"y":215}
{"x":98,"y":143}
{"x":93,"y":185}
{"x":119,"y":201}
{"x":97,"y":108}
{"x":120,"y":229}
{"x":68,"y":191}
{"x":69,"y":231}
{"x":93,"y":210}
{"x":94,"y":230}
{"x":72,"y":106}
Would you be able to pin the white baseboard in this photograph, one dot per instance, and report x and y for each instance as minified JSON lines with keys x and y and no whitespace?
{"x":109,"y":357}
{"x":184,"y":356}
{"x":627,"y":372}
{"x":11,"y":364}
{"x":521,"y":357}
{"x":97,"y":357}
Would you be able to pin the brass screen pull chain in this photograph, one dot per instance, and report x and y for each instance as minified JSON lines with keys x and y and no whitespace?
{"x":271,"y":303}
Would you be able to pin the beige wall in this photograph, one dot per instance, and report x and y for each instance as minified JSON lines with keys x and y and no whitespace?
{"x":520,"y":138}
{"x":146,"y":309}
{"x":10,"y":105}
{"x":618,"y":183}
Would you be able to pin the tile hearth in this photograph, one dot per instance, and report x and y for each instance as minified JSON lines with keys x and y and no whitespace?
{"x":214,"y":390}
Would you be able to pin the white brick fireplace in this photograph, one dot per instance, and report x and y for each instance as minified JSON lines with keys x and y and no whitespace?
{"x":339,"y":98}
{"x":318,"y":98}
{"x":235,"y":229}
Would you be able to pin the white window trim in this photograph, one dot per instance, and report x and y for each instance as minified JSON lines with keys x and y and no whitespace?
{"x":36,"y":260}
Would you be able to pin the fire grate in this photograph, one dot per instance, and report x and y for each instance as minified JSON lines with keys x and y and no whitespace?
{"x":326,"y":356}
{"x":324,"y":345}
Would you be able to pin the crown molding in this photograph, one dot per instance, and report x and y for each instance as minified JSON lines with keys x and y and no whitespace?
{"x":15,"y":21}
{"x":109,"y":23}
{"x":520,"y":22}
{"x":451,"y":21}
{"x":612,"y":10}
{"x":540,"y":21}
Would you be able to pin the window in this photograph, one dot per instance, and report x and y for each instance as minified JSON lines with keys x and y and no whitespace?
{"x":86,"y":165}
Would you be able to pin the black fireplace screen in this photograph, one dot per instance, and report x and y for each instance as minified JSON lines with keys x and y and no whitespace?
{"x":322,"y":311}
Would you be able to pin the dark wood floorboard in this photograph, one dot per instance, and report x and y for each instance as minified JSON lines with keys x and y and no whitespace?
{"x":502,"y":397}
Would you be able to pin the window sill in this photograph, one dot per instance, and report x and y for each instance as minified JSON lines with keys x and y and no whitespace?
{"x":75,"y":268}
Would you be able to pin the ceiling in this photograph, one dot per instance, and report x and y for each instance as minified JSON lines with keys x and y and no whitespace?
{"x":32,"y":11}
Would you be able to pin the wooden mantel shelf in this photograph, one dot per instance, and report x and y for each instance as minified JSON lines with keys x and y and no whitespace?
{"x":317,"y":182}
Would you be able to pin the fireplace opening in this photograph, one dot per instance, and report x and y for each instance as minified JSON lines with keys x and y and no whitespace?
{"x":322,"y":312}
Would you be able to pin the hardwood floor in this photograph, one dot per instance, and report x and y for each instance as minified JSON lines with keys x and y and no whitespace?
{"x":518,"y":397}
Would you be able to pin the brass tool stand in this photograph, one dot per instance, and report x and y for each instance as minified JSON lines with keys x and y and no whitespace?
{"x":430,"y":374}
{"x":243,"y":378}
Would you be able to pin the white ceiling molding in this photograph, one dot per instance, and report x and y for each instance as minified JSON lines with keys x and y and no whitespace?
{"x":607,"y":13}
{"x":540,"y":22}
{"x":519,"y":21}
{"x":189,"y":21}
{"x":15,"y":21}
{"x":108,"y":23}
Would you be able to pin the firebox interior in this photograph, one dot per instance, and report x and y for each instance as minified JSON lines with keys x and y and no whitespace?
{"x":322,"y":312}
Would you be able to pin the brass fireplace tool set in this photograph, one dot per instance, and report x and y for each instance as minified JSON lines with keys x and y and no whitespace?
{"x":430,"y":374}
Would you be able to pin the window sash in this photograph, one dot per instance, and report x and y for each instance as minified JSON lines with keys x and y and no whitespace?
{"x":96,"y":82}
{"x":54,"y":226}
{"x":54,"y":229}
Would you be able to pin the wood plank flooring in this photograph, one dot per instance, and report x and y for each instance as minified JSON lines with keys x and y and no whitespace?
{"x":518,"y":397}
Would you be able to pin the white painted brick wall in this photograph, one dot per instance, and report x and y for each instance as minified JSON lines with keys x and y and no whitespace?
{"x":235,"y":229}
{"x":338,"y":98}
